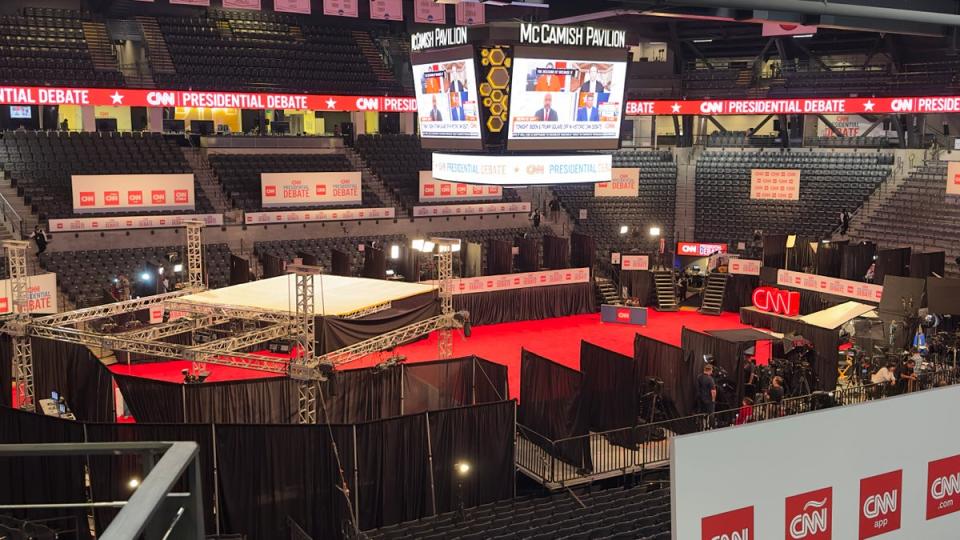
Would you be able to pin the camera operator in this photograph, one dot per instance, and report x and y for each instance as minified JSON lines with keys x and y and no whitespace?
{"x":775,"y":393}
{"x":885,"y":378}
{"x":750,"y":378}
{"x":706,"y":391}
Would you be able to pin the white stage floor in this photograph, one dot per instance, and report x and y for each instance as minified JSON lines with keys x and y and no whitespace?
{"x":333,"y":295}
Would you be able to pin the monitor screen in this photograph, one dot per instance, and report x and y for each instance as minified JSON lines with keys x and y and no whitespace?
{"x":20,"y":111}
{"x":445,"y":82}
{"x":566,"y":100}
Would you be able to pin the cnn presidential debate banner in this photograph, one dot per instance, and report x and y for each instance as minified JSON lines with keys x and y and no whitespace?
{"x":310,"y":188}
{"x":623,"y":183}
{"x":432,"y":189}
{"x":132,"y":192}
{"x":41,"y":294}
{"x":775,"y":184}
{"x":337,"y":214}
{"x":131,"y":222}
{"x":953,"y":178}
{"x":471,"y":209}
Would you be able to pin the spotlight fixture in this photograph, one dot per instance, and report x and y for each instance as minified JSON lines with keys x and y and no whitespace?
{"x":145,"y":276}
{"x":133,"y":483}
{"x":624,"y":229}
{"x":417,"y":244}
{"x":654,"y":231}
{"x":178,"y":268}
{"x":462,"y":468}
{"x":160,"y":271}
{"x":394,"y":252}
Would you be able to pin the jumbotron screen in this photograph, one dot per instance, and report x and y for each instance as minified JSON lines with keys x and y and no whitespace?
{"x":446,"y":87}
{"x":560,"y":100}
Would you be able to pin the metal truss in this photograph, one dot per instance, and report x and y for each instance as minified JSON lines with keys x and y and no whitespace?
{"x":194,"y":255}
{"x":107,"y":310}
{"x":369,"y":310}
{"x":445,"y":281}
{"x":18,"y":322}
{"x":302,"y":365}
{"x":388,"y":340}
{"x":172,"y":328}
{"x":229,"y":311}
{"x":241,"y":341}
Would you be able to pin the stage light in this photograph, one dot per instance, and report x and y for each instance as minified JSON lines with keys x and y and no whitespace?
{"x":394,"y":252}
{"x":391,"y":273}
{"x":455,"y":247}
{"x":706,"y":40}
{"x":145,"y":276}
{"x":417,"y":244}
{"x":160,"y":271}
{"x":115,"y":280}
{"x":428,"y":246}
{"x":462,"y":468}
{"x":654,"y":231}
{"x":802,"y":36}
{"x":133,"y":483}
{"x":178,"y":267}
{"x":624,"y":229}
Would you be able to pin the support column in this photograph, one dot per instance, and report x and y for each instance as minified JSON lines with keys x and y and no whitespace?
{"x":359,"y":120}
{"x":408,"y":124}
{"x":88,"y":117}
{"x":155,"y":119}
{"x":17,"y":326}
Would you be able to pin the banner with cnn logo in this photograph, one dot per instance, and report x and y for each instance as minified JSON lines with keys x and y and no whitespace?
{"x":432,"y":189}
{"x":132,"y":192}
{"x":953,"y":178}
{"x":505,"y":282}
{"x":310,"y":188}
{"x":41,"y":294}
{"x":775,"y":184}
{"x":623,"y":183}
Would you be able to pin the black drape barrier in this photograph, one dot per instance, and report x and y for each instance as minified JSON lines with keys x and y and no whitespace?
{"x":77,"y":375}
{"x":801,"y":257}
{"x":639,"y":284}
{"x":924,"y":265}
{"x":340,"y":263}
{"x":152,"y":401}
{"x":739,"y":291}
{"x":855,"y":259}
{"x":530,"y":303}
{"x":258,"y":401}
{"x":825,"y":341}
{"x":828,"y":259}
{"x":6,"y":369}
{"x":583,"y":251}
{"x":556,"y":252}
{"x":338,"y":332}
{"x":374,"y":263}
{"x":529,"y":260}
{"x":943,"y":296}
{"x":491,"y":381}
{"x":666,"y":362}
{"x":360,"y":395}
{"x":774,"y":250}
{"x":40,"y":480}
{"x":499,"y":257}
{"x":553,"y":408}
{"x":239,"y":270}
{"x":609,"y":392}
{"x":307,"y":258}
{"x":892,"y":262}
{"x":272,"y":265}
{"x":727,"y":355}
{"x":472,"y":257}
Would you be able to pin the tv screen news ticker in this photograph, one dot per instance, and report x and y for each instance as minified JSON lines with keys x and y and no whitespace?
{"x":445,"y":83}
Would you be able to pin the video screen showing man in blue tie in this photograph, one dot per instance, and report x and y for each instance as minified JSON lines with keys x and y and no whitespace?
{"x":456,"y":107}
{"x":588,"y":112}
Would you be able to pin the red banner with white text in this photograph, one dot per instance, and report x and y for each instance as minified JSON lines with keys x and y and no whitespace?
{"x":825,"y":105}
{"x":386,"y":10}
{"x":340,"y":8}
{"x":292,"y":6}
{"x":339,"y":214}
{"x":471,"y":209}
{"x":130,"y":222}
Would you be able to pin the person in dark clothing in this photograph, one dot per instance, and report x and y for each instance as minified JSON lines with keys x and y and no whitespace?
{"x":706,"y":391}
{"x":536,"y":219}
{"x":750,"y":378}
{"x":775,"y":393}
{"x":908,"y":378}
{"x":40,"y":237}
{"x":844,"y":221}
{"x":682,"y":287}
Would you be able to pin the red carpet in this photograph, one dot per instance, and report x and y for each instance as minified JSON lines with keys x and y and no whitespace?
{"x":557,"y":339}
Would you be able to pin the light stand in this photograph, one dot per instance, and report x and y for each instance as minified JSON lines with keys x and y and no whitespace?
{"x":462,"y":469}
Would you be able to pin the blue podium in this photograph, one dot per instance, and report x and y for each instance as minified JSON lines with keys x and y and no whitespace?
{"x":623,"y":314}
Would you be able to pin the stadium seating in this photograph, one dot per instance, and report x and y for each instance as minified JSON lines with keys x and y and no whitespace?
{"x":240,"y":175}
{"x":40,"y":164}
{"x":829,"y":182}
{"x":321,"y":247}
{"x":612,"y":513}
{"x":398,"y":160}
{"x":84,"y":275}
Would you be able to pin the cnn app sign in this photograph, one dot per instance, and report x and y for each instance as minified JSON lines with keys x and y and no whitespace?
{"x":880,"y":503}
{"x":131,"y":193}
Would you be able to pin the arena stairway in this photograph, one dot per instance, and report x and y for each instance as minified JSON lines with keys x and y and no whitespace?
{"x":666,"y":291}
{"x":607,"y":292}
{"x":713,"y":294}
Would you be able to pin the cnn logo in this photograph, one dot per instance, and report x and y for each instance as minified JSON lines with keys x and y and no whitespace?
{"x":880,"y":504}
{"x":135,"y":197}
{"x":158,"y":197}
{"x":111,"y":198}
{"x":87,"y":198}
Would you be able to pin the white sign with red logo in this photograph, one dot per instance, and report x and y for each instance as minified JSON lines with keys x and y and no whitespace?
{"x":623,"y":183}
{"x":748,"y":267}
{"x":863,"y":292}
{"x":131,"y":222}
{"x":309,"y":188}
{"x":787,"y":29}
{"x":156,"y":314}
{"x":907,"y":486}
{"x":696,"y":249}
{"x":506,"y":282}
{"x":471,"y":209}
{"x":953,"y":178}
{"x":132,"y":192}
{"x":775,"y":184}
{"x":635,"y":262}
{"x":41,"y":294}
{"x":336,"y":214}
{"x":432,"y":189}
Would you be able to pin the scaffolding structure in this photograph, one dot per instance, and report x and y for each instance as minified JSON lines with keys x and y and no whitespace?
{"x":18,"y":322}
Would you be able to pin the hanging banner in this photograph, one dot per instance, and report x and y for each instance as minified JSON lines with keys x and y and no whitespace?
{"x":522,"y":170}
{"x":340,"y":8}
{"x":953,"y":178}
{"x":309,"y":188}
{"x":864,"y":292}
{"x":131,"y":222}
{"x":292,"y":6}
{"x":41,"y":294}
{"x":470,"y":13}
{"x":747,"y":267}
{"x":787,"y":29}
{"x":696,"y":249}
{"x":825,"y":105}
{"x":635,"y":262}
{"x":242,"y":4}
{"x":156,"y":314}
{"x":430,"y":12}
{"x":471,"y":209}
{"x":191,"y":2}
{"x":775,"y":184}
{"x":624,"y":183}
{"x":102,"y":192}
{"x":432,"y":189}
{"x":506,"y":282}
{"x":386,"y":10}
{"x":338,"y":214}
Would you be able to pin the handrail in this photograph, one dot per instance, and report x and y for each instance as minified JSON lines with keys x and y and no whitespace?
{"x":8,"y":212}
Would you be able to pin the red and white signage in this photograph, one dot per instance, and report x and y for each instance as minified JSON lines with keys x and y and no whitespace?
{"x":127,"y":97}
{"x":386,"y":10}
{"x":823,"y":105}
{"x":505,"y":282}
{"x":191,"y":2}
{"x":292,"y":6}
{"x":131,"y":222}
{"x":775,"y":184}
{"x":432,"y":189}
{"x":340,"y":8}
{"x":340,"y":214}
{"x":471,"y":209}
{"x":242,"y":4}
{"x":809,"y":516}
{"x":777,"y":301}
{"x":749,"y":267}
{"x":696,"y":249}
{"x":132,"y":192}
{"x":430,"y":12}
{"x":470,"y":13}
{"x":880,"y":504}
{"x":41,"y":294}
{"x":623,"y":183}
{"x":787,"y":29}
{"x":863,"y":292}
{"x":953,"y":178}
{"x":732,"y":525}
{"x":943,"y":487}
{"x":156,"y":314}
{"x":309,"y":188}
{"x":635,"y":262}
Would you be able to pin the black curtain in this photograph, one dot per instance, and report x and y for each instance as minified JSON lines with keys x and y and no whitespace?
{"x":429,"y":386}
{"x":739,"y":291}
{"x":499,"y":257}
{"x":774,"y":250}
{"x":257,"y":401}
{"x":801,"y":257}
{"x":491,"y":381}
{"x":79,"y":377}
{"x":307,"y":258}
{"x":855,"y":259}
{"x":924,"y":265}
{"x":828,"y":259}
{"x":943,"y":296}
{"x":272,"y":265}
{"x":892,"y":262}
{"x":639,"y":284}
{"x":609,"y":391}
{"x":530,"y":303}
{"x":727,"y":355}
{"x":529,"y":260}
{"x":338,"y":332}
{"x":374,"y":263}
{"x":340,"y":263}
{"x":556,"y":252}
{"x":553,"y":408}
{"x":152,"y":401}
{"x":360,"y":395}
{"x":666,"y":362}
{"x":6,"y":369}
{"x":583,"y":251}
{"x":826,"y":342}
{"x":239,"y":270}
